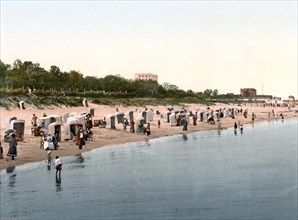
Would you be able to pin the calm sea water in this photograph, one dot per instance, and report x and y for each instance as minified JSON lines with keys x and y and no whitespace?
{"x":204,"y":175}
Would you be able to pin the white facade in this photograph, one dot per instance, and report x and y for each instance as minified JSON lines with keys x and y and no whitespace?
{"x":146,"y":76}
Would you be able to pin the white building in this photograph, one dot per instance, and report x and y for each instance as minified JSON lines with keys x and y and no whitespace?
{"x":146,"y":76}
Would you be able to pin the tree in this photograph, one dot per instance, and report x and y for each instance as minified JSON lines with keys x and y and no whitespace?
{"x":92,"y":83}
{"x":215,"y":93}
{"x":75,"y":78}
{"x":17,"y":74}
{"x":29,"y":74}
{"x":142,"y":88}
{"x":207,"y":92}
{"x":57,"y":78}
{"x":114,"y":83}
{"x":55,"y":71}
{"x":190,"y":92}
{"x":169,"y":87}
{"x":3,"y":73}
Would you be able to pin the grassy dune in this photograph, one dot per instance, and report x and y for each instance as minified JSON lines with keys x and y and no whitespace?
{"x":72,"y":101}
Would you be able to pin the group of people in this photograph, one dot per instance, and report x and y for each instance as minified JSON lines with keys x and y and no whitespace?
{"x":12,"y":152}
{"x":52,"y":140}
{"x":145,"y":130}
{"x":37,"y":130}
{"x":238,"y":125}
{"x":131,"y":124}
{"x":34,"y":119}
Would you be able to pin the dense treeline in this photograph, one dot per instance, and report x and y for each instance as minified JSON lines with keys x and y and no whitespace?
{"x":23,"y":78}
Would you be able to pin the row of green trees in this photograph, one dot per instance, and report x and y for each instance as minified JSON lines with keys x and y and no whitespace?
{"x":29,"y":75}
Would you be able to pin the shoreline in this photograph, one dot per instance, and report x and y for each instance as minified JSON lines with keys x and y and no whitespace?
{"x":30,"y":151}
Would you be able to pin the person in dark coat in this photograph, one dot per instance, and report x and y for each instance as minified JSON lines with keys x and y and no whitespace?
{"x":13,"y":143}
{"x":132,"y":126}
{"x":194,"y":120}
{"x":148,"y":130}
{"x":235,"y":126}
{"x":1,"y":151}
{"x":81,"y":137}
{"x":184,"y":123}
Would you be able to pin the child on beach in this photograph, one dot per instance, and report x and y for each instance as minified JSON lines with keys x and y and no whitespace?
{"x":241,"y":129}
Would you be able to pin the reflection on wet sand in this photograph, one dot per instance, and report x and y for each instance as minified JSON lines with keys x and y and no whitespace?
{"x":184,"y":136}
{"x":58,"y":183}
{"x":12,"y":180}
{"x":10,"y":169}
{"x":78,"y":162}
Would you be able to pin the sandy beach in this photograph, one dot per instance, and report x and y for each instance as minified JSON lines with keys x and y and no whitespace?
{"x":30,"y":151}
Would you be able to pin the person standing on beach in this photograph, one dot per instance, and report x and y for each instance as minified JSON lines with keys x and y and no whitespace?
{"x":49,"y":157}
{"x":148,"y":130}
{"x":194,"y":118}
{"x":58,"y":164}
{"x":125,"y":124}
{"x":235,"y":126}
{"x":13,"y":143}
{"x":1,"y":151}
{"x":34,"y":120}
{"x":81,"y":137}
{"x":253,"y":116}
{"x":218,"y":124}
{"x":184,"y":123}
{"x":49,"y":138}
{"x":245,"y":113}
{"x":132,"y":126}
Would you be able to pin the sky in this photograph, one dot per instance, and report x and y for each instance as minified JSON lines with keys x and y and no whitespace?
{"x":197,"y":45}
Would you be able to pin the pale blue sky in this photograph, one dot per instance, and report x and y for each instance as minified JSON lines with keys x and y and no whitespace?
{"x":198,"y":45}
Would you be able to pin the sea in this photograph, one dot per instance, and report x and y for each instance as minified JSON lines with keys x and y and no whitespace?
{"x":218,"y":175}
